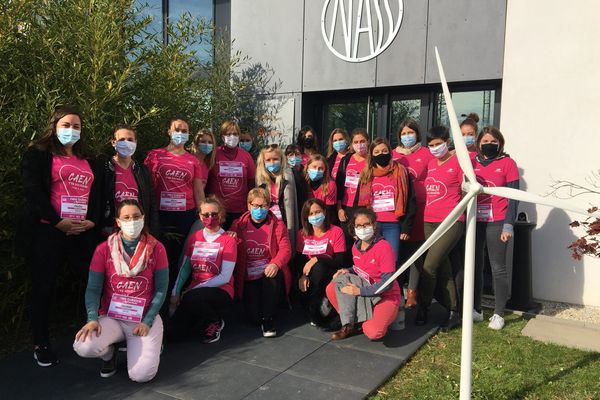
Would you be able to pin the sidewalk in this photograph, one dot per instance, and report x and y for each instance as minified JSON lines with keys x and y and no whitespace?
{"x":576,"y":334}
{"x":301,"y":363}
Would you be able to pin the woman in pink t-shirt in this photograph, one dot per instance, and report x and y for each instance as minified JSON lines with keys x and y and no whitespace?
{"x":63,"y":205}
{"x":264,"y":251}
{"x":320,"y":249}
{"x":232,"y":176}
{"x":338,"y":146}
{"x":208,"y":262}
{"x":415,"y":158}
{"x":203,"y":147}
{"x":320,"y":185}
{"x":495,"y":219}
{"x":177,"y":177}
{"x":352,"y":290}
{"x":273,"y":174}
{"x":126,"y":288}
{"x":443,"y":186}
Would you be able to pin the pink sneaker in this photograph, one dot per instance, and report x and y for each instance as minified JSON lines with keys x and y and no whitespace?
{"x":213,"y":331}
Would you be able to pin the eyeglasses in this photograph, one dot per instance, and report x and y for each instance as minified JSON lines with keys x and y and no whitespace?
{"x":210,"y":214}
{"x":259,"y":205}
{"x":363,"y":226}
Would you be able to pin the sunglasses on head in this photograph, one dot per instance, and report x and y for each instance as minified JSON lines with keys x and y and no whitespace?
{"x":271,"y":146}
{"x":208,"y":215}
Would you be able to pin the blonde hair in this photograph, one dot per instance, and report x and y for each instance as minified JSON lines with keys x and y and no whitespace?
{"x":263,"y":177}
{"x":229,"y":124}
{"x":214,"y":200}
{"x":209,"y":159}
{"x":343,"y":132}
{"x":259,"y":192}
{"x":325,"y":183}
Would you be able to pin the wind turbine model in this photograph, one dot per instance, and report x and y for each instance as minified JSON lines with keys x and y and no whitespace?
{"x":471,"y":189}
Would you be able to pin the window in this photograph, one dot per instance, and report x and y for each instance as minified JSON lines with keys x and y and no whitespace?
{"x":154,"y":9}
{"x":198,"y":9}
{"x":480,"y":101}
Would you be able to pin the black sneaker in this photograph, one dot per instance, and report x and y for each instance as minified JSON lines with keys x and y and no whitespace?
{"x":44,"y":356}
{"x":268,"y":327}
{"x":109,"y":368}
{"x":213,"y":331}
{"x":421,"y":316}
{"x":452,"y":322}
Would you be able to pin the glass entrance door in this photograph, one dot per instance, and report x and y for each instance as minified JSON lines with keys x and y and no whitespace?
{"x":407,"y":107}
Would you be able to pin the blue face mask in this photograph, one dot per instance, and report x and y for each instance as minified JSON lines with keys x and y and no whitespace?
{"x":340,"y":145}
{"x":178,"y":138}
{"x":125,"y":148}
{"x":316,"y":219}
{"x":294,"y":160}
{"x":205,"y":148}
{"x":315,"y":174}
{"x":273,"y":166}
{"x":246,"y":145}
{"x":259,"y":213}
{"x":68,"y":136}
{"x":469,"y":140}
{"x":408,"y":140}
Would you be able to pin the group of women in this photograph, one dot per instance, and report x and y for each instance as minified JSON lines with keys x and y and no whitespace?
{"x":204,"y":225}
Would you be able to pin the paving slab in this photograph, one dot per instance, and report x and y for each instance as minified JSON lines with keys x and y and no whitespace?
{"x":563,"y":332}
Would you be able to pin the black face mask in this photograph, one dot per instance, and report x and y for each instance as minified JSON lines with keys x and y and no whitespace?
{"x":309,"y":142}
{"x":382,"y":159}
{"x":490,"y":150}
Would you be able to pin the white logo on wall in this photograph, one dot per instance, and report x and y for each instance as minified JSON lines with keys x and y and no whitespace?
{"x":359,"y":30}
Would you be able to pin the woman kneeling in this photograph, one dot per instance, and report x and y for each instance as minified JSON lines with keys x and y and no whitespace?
{"x":127,"y":285}
{"x":352,"y":291}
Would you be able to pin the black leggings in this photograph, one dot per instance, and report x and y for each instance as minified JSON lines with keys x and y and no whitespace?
{"x":319,"y":277}
{"x":51,"y":248}
{"x":175,"y":226}
{"x":197,"y":306}
{"x":262,"y":296}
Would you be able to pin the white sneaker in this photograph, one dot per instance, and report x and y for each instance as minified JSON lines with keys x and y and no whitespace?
{"x":496,"y":322}
{"x":477,"y":316}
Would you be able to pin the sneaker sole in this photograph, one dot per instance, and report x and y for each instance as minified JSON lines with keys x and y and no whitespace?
{"x":107,"y":375}
{"x":269,"y":334}
{"x":42,"y":364}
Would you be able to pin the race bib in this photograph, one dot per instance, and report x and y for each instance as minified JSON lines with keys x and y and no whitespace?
{"x":172,"y":201}
{"x":352,"y":180}
{"x":126,"y":308}
{"x":315,"y":247}
{"x":255,"y":269}
{"x":384,"y":201}
{"x":73,"y":207}
{"x":231,"y":169}
{"x":485,"y":213}
{"x":362,"y":274}
{"x":204,"y":251}
{"x":276,"y":210}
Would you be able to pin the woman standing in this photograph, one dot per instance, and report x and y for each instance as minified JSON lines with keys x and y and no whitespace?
{"x":385,"y":187}
{"x":62,"y":188}
{"x":264,"y":251}
{"x":248,"y":144}
{"x":177,"y":177}
{"x":307,"y":142}
{"x":294,"y":159}
{"x":495,"y":219}
{"x":127,"y":286}
{"x":316,"y":175}
{"x":125,"y":178}
{"x":209,"y":258}
{"x":468,"y":128}
{"x":415,"y":158}
{"x":320,"y":250}
{"x":273,"y":175}
{"x":443,"y":186}
{"x":352,"y":291}
{"x":203,"y":147}
{"x":338,"y":146}
{"x":232,"y":176}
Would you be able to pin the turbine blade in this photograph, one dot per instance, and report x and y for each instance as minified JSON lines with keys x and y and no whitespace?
{"x":461,"y":149}
{"x":441,"y":229}
{"x":521,"y":195}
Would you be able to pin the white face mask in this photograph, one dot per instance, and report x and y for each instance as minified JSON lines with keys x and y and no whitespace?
{"x":132,"y":229}
{"x":364,"y":234}
{"x":231,"y":140}
{"x":439,"y":151}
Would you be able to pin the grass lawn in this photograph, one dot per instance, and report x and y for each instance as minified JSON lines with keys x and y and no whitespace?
{"x":506,"y":365}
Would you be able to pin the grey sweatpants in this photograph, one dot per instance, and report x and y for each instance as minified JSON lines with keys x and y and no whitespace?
{"x":353,"y":309}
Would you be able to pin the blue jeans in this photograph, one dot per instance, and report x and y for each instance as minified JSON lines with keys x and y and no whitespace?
{"x":391,"y":234}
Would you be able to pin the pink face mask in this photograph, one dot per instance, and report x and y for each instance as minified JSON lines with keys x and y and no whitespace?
{"x":211,"y":222}
{"x":360,"y":148}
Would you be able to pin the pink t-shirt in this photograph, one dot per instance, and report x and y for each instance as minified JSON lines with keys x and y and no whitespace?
{"x":327,"y":245}
{"x":125,"y":185}
{"x":305,"y":158}
{"x":380,"y":258}
{"x":203,"y":172}
{"x":497,"y":173}
{"x":330,"y":199}
{"x":443,"y":186}
{"x":383,"y":190}
{"x":206,"y":258}
{"x":71,"y":183}
{"x":416,"y":164}
{"x":353,"y":170}
{"x":258,"y":252}
{"x":140,"y":286}
{"x":275,"y":209}
{"x":336,"y":165}
{"x":173,"y":177}
{"x":230,"y":178}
